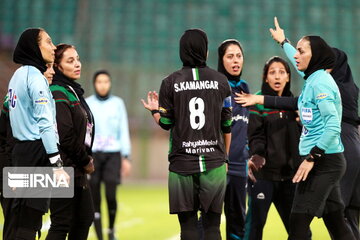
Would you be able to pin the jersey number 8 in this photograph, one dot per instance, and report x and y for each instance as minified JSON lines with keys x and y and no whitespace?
{"x":197,"y":116}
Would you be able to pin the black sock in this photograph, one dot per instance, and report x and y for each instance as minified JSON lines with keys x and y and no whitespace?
{"x":110,"y":191}
{"x":98,"y":226}
{"x":188,"y":224}
{"x":96,"y":195}
{"x":211,"y":224}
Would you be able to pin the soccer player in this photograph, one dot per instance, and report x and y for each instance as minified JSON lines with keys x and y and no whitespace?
{"x":230,"y":63}
{"x":195,"y":105}
{"x":273,"y":141}
{"x":32,"y":118}
{"x":111,"y":148}
{"x":72,"y":217}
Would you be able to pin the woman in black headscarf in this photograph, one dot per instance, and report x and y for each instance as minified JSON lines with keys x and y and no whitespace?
{"x":349,"y":92}
{"x":318,"y":192}
{"x":32,"y":118}
{"x":195,"y":104}
{"x":350,"y":182}
{"x":72,"y":216}
{"x":273,"y":140}
{"x":230,"y":63}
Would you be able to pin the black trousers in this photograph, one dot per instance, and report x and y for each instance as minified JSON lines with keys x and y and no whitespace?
{"x":235,"y":207}
{"x":71,"y":217}
{"x":350,"y":182}
{"x":23,"y":218}
{"x":261,"y":195}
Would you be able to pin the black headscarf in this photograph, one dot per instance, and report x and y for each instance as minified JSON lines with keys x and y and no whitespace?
{"x":322,"y":57}
{"x":193,"y":48}
{"x":265,"y":88}
{"x":27,"y":51}
{"x":221,"y":52}
{"x":96,"y":74}
{"x":342,"y":75}
{"x":61,"y":80}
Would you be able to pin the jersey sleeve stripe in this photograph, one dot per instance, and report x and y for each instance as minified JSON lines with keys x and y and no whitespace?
{"x":165,"y":120}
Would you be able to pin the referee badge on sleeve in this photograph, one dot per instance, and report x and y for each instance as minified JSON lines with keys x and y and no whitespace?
{"x":321,"y":96}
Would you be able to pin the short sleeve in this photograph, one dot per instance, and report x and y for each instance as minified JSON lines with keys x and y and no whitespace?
{"x":166,"y":105}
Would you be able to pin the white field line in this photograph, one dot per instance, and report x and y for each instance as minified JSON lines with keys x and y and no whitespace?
{"x":130,"y":223}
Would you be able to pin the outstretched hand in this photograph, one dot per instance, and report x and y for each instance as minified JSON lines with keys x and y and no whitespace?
{"x":278,"y":33}
{"x":247,"y":99}
{"x":152,"y":101}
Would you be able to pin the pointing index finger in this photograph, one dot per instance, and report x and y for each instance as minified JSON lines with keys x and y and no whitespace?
{"x":276,"y":23}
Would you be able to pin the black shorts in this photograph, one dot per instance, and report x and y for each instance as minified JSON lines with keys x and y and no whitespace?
{"x":200,"y":191}
{"x":320,"y":192}
{"x":107,"y":167}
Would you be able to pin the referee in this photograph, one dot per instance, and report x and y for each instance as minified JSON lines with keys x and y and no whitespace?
{"x":111,"y":149}
{"x":195,"y":105}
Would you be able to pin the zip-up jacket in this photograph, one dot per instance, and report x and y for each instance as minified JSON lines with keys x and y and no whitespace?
{"x":72,"y":126}
{"x":239,"y":153}
{"x":274,"y":135}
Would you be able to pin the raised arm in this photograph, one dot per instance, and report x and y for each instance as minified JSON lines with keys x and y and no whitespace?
{"x":278,"y":35}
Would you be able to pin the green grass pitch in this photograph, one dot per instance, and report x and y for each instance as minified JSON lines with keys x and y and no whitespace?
{"x":143,"y":214}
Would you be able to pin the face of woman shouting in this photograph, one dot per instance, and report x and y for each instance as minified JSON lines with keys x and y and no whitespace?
{"x":303,"y":54}
{"x":70,"y":64}
{"x":233,"y":60}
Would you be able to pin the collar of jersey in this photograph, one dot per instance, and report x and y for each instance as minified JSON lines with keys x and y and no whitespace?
{"x":236,"y":84}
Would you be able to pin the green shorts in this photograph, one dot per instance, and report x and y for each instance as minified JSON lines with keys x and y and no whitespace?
{"x":200,"y":191}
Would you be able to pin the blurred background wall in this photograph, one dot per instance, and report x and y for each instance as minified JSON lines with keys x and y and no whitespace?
{"x":137,"y":41}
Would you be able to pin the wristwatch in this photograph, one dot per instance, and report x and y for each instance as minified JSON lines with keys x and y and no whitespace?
{"x":309,"y":158}
{"x":285,"y":41}
{"x":58,"y":163}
